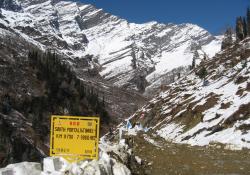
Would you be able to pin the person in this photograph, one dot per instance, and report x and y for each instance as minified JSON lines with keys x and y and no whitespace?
{"x":129,"y":125}
{"x":205,"y":83}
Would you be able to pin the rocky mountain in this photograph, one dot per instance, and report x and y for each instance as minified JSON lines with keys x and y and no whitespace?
{"x":208,"y":109}
{"x":137,"y":57}
{"x":70,"y":58}
{"x":209,"y":106}
{"x":57,"y":26}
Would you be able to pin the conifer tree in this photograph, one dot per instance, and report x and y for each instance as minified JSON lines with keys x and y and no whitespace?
{"x":193,"y":64}
{"x":248,"y":21}
{"x":202,"y":73}
{"x":228,"y":38}
{"x":195,"y":57}
{"x":245,"y":31}
{"x":239,"y":29}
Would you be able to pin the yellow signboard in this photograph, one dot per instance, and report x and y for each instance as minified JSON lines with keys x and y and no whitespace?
{"x":74,"y":138}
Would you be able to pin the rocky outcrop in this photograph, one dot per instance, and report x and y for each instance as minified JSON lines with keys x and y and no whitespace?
{"x":10,"y":5}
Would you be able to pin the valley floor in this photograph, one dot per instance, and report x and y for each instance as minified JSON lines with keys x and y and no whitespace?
{"x":169,"y":158}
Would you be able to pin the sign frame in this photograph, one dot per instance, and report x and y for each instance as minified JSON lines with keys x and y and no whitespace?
{"x":78,"y":120}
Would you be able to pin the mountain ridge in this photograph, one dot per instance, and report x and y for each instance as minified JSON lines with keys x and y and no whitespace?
{"x":126,"y":54}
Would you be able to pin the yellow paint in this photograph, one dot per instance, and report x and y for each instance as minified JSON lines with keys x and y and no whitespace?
{"x":74,"y":138}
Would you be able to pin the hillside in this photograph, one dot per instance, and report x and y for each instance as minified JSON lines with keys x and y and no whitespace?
{"x":211,"y":111}
{"x":33,"y":86}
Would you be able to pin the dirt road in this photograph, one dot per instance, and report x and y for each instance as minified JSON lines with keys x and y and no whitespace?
{"x":175,"y":159}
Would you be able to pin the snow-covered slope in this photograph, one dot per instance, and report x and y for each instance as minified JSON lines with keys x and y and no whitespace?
{"x":218,"y":111}
{"x":127,"y":55}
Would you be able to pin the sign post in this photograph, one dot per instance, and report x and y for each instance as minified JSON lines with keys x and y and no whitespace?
{"x":74,"y":138}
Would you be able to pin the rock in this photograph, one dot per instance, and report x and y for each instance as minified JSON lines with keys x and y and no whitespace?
{"x":121,"y":169}
{"x":150,"y":163}
{"x":51,"y":164}
{"x":138,"y":159}
{"x":6,"y":172}
{"x":10,"y":5}
{"x":24,"y":168}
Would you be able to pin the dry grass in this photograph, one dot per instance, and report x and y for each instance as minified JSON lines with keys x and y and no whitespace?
{"x":248,"y":87}
{"x":241,"y":79}
{"x":212,"y":100}
{"x":225,"y":105}
{"x":242,"y":113}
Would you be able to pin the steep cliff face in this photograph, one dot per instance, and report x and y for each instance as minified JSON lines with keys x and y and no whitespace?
{"x":132,"y":56}
{"x":59,"y":26}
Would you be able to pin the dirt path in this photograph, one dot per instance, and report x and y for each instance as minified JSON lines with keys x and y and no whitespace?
{"x":175,"y":159}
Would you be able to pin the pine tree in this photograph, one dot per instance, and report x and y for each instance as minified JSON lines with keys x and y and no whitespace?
{"x":202,"y":73}
{"x":195,"y":57}
{"x":228,"y":38}
{"x":248,"y":21}
{"x":239,"y":29}
{"x":205,"y":57}
{"x":245,"y":31}
{"x":193,"y":64}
